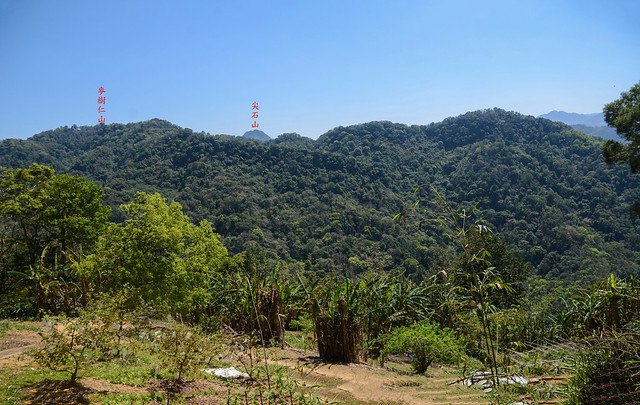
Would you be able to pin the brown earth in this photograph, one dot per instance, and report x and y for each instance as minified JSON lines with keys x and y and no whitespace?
{"x":363,"y":383}
{"x":17,"y":341}
{"x":342,"y":383}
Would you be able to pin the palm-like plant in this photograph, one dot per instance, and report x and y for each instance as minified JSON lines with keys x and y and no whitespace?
{"x":608,"y":305}
{"x":336,"y":308}
{"x":259,"y":296}
{"x":390,"y":300}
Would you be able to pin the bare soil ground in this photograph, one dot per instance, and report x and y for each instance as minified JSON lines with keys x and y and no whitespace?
{"x":17,"y":341}
{"x":366,"y":384}
{"x":337,"y":383}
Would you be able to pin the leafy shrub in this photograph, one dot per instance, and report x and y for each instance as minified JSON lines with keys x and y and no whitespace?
{"x":98,"y":334}
{"x":424,"y":342}
{"x":70,"y":344}
{"x":302,"y":323}
{"x":124,"y":316}
{"x":183,"y":349}
{"x":607,"y":371}
{"x":336,"y":311}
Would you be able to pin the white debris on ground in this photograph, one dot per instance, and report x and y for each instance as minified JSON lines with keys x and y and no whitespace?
{"x":483,"y":379}
{"x":227,"y":373}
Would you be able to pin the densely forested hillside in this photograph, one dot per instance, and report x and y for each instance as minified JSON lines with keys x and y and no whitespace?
{"x":541,"y":185}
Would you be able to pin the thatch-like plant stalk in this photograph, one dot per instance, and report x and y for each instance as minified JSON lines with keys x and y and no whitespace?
{"x":336,"y":312}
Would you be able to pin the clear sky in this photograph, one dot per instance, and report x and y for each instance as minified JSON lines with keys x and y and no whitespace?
{"x":311,"y":65}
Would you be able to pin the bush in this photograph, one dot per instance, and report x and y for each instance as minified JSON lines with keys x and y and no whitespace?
{"x":302,"y":323}
{"x":183,"y":350}
{"x":71,"y":344}
{"x":425,"y":343}
{"x":96,"y":335}
{"x":336,"y":311}
{"x":123,"y":316}
{"x":607,"y":371}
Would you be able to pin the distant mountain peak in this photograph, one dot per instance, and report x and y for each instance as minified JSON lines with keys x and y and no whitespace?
{"x":257,"y":135}
{"x":569,"y":118}
{"x":592,"y":124}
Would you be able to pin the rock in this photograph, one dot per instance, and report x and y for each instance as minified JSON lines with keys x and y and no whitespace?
{"x":483,"y":379}
{"x":226,"y":373}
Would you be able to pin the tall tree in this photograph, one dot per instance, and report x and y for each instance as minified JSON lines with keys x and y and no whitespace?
{"x":167,"y":260}
{"x":624,"y":115}
{"x":47,"y":221}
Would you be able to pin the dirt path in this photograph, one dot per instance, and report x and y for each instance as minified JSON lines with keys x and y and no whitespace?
{"x":361,"y":383}
{"x":16,"y":342}
{"x":15,"y":351}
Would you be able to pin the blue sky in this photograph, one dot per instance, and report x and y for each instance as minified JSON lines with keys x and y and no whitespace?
{"x":310,"y":65}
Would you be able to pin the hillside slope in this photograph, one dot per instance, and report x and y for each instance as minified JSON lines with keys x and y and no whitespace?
{"x":542,"y":186}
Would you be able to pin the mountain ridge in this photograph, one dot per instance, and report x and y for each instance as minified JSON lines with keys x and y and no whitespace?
{"x":592,"y":124}
{"x":569,"y":118}
{"x":540,"y":184}
{"x":257,"y":135}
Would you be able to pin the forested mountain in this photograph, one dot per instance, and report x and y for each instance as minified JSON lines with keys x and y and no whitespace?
{"x":604,"y":132}
{"x":541,"y":185}
{"x":592,"y":124}
{"x":591,"y":120}
{"x":257,"y":135}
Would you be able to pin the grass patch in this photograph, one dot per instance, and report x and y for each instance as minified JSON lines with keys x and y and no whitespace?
{"x":6,"y":325}
{"x":300,"y":340}
{"x":131,"y":399}
{"x":135,"y":374}
{"x":13,"y":380}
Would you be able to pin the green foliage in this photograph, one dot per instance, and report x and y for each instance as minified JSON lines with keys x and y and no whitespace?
{"x":605,"y":319}
{"x":303,"y":324}
{"x":71,"y":344}
{"x":390,"y":300}
{"x":336,"y":308}
{"x":606,"y":370}
{"x":261,"y":295}
{"x":350,"y":314}
{"x":509,"y":266}
{"x":183,"y":350}
{"x":542,"y":185}
{"x":159,"y":254}
{"x":425,"y":342}
{"x":624,"y":115}
{"x":48,"y":221}
{"x":125,"y":316}
{"x":301,"y":340}
{"x":608,"y":305}
{"x":282,"y":388}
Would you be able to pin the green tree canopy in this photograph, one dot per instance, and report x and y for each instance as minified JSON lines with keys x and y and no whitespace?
{"x":167,"y":260}
{"x":543,"y":186}
{"x":624,"y":115}
{"x":47,"y":221}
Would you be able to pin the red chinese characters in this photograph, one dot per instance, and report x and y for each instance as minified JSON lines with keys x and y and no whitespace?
{"x":255,"y":114}
{"x":102,"y":101}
